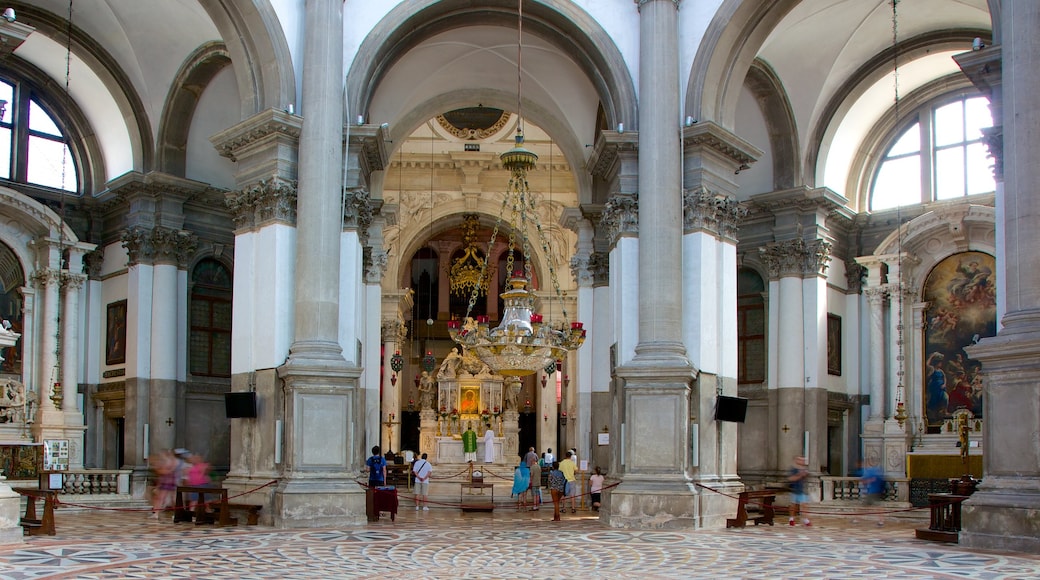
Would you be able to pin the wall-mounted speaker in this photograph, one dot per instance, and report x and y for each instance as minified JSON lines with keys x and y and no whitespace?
{"x":240,"y":405}
{"x":732,"y":409}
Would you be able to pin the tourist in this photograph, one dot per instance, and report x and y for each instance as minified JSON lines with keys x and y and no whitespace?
{"x":531,"y":458}
{"x":568,"y":467}
{"x":557,"y":487}
{"x":163,"y":466}
{"x":548,"y":459}
{"x":489,"y":444}
{"x":376,"y":469}
{"x":596,"y":488}
{"x":469,"y":444}
{"x":536,"y":485}
{"x":797,"y":479}
{"x":521,"y":483}
{"x":422,"y":470}
{"x":873,"y":481}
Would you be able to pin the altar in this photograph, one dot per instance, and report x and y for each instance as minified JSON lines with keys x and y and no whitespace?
{"x":449,"y":450}
{"x":468,"y":394}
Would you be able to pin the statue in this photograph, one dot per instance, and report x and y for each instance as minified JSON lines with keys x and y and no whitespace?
{"x":449,"y":369}
{"x":12,"y":400}
{"x":513,"y":395}
{"x":426,"y":391}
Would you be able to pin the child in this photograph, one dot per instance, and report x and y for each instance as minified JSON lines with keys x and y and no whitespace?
{"x":596,"y":488}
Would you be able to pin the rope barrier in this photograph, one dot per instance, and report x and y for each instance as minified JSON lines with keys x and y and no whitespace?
{"x":823,"y":512}
{"x":58,"y":503}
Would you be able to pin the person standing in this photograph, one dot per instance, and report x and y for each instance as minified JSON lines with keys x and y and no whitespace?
{"x":422,"y":470}
{"x":596,"y":488}
{"x":376,"y":469}
{"x":521,"y":483}
{"x":797,"y":478}
{"x":489,"y":444}
{"x":568,"y":467}
{"x":548,"y":458}
{"x":469,"y":444}
{"x":557,"y":487}
{"x":531,"y":458}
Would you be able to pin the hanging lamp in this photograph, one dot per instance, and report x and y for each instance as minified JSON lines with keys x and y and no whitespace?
{"x":522,"y":344}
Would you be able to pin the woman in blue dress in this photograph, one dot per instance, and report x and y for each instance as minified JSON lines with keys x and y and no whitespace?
{"x":521,"y":482}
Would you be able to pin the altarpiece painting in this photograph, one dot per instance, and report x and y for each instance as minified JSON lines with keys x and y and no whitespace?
{"x":960,"y":293}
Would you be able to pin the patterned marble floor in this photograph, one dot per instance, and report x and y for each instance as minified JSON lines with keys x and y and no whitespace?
{"x":445,"y":543}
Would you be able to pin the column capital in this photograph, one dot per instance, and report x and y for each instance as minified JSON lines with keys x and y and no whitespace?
{"x":159,"y":245}
{"x":581,"y":271}
{"x":854,"y":274}
{"x":713,"y":212}
{"x":267,"y":201}
{"x":375,"y":263}
{"x":70,"y":281}
{"x":358,"y":209}
{"x":92,"y":262}
{"x":621,"y":217}
{"x":640,"y":3}
{"x":876,"y":295}
{"x":393,"y":330}
{"x":599,"y":265}
{"x":796,"y":257}
{"x":45,"y":277}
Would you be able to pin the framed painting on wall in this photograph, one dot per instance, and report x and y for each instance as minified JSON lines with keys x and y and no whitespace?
{"x":833,"y":344}
{"x":115,"y":334}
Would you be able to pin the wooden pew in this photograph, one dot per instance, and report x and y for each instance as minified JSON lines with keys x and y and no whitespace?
{"x":760,"y":502}
{"x":221,"y":514}
{"x":32,"y":525}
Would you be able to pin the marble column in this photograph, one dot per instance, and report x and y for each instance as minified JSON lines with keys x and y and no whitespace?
{"x":48,"y":282}
{"x":1002,"y":514}
{"x":322,"y":404}
{"x":393,"y":333}
{"x":580,"y":268}
{"x":71,"y":286}
{"x":876,"y":297}
{"x":655,"y":490}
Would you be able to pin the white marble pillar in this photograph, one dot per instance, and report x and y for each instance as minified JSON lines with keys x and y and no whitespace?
{"x":876,"y":300}
{"x":72,"y":285}
{"x":162,"y":408}
{"x":1002,"y":514}
{"x":392,"y":334}
{"x":48,"y":282}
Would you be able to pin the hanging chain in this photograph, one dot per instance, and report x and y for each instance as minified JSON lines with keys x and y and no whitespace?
{"x":483,"y":267}
{"x":899,"y":218}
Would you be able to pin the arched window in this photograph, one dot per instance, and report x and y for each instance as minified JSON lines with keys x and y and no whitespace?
{"x":33,"y":147}
{"x":210,"y":343}
{"x":751,"y":327}
{"x":940,"y":155}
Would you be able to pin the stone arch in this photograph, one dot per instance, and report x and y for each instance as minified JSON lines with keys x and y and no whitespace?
{"x":869,"y":73}
{"x":562,"y":23}
{"x":120,"y":88}
{"x":769,"y":92}
{"x":191,"y":81}
{"x":946,"y":230}
{"x":24,"y":220}
{"x":727,"y":50}
{"x":253,"y":38}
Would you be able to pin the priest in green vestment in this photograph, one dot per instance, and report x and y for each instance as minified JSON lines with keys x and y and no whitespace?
{"x":469,"y":443}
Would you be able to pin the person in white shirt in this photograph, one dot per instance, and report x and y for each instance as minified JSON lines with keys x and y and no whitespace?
{"x":422,"y":470}
{"x":489,"y":445}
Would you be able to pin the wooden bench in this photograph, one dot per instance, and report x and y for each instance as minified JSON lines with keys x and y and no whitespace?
{"x":31,"y":525}
{"x":252,"y":509}
{"x":201,"y":514}
{"x":760,"y":502}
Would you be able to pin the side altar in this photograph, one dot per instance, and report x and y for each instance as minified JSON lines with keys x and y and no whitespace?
{"x":466,"y":394}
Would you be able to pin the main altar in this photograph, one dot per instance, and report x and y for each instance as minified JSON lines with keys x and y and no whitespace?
{"x":466,"y":394}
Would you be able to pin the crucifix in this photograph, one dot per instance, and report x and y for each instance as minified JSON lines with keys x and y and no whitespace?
{"x":169,"y":422}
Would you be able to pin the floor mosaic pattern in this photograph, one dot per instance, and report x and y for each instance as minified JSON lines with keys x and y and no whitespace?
{"x":444,"y":543}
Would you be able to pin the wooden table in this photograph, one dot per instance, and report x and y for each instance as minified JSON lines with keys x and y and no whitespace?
{"x":32,"y":525}
{"x":467,"y":497}
{"x":221,"y":514}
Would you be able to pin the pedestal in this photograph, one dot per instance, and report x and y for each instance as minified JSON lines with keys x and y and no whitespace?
{"x":10,"y":529}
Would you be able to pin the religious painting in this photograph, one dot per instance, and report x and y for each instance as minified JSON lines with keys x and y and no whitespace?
{"x":962,"y":309}
{"x":469,"y":400}
{"x":833,"y":344}
{"x":115,"y":334}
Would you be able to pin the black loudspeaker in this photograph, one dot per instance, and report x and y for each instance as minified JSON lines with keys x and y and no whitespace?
{"x":240,"y":405}
{"x":731,"y":409}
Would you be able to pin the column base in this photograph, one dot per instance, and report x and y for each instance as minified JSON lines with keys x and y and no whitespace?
{"x":1004,"y":514}
{"x":652,"y":505}
{"x":303,"y":503}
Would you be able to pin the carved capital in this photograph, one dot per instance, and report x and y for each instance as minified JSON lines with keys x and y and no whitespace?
{"x":715,"y":213}
{"x":92,"y":262}
{"x":854,"y":274}
{"x":621,"y":217}
{"x":993,"y":138}
{"x":393,"y":330}
{"x":269,"y":200}
{"x":375,"y":263}
{"x":580,"y":270}
{"x":796,"y":258}
{"x":70,"y":281}
{"x":159,"y":245}
{"x":44,"y":278}
{"x":876,"y":295}
{"x":599,"y":265}
{"x":137,"y":242}
{"x":357,"y":210}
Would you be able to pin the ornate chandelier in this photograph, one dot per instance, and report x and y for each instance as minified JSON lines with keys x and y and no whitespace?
{"x":522,"y":344}
{"x":466,"y":275}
